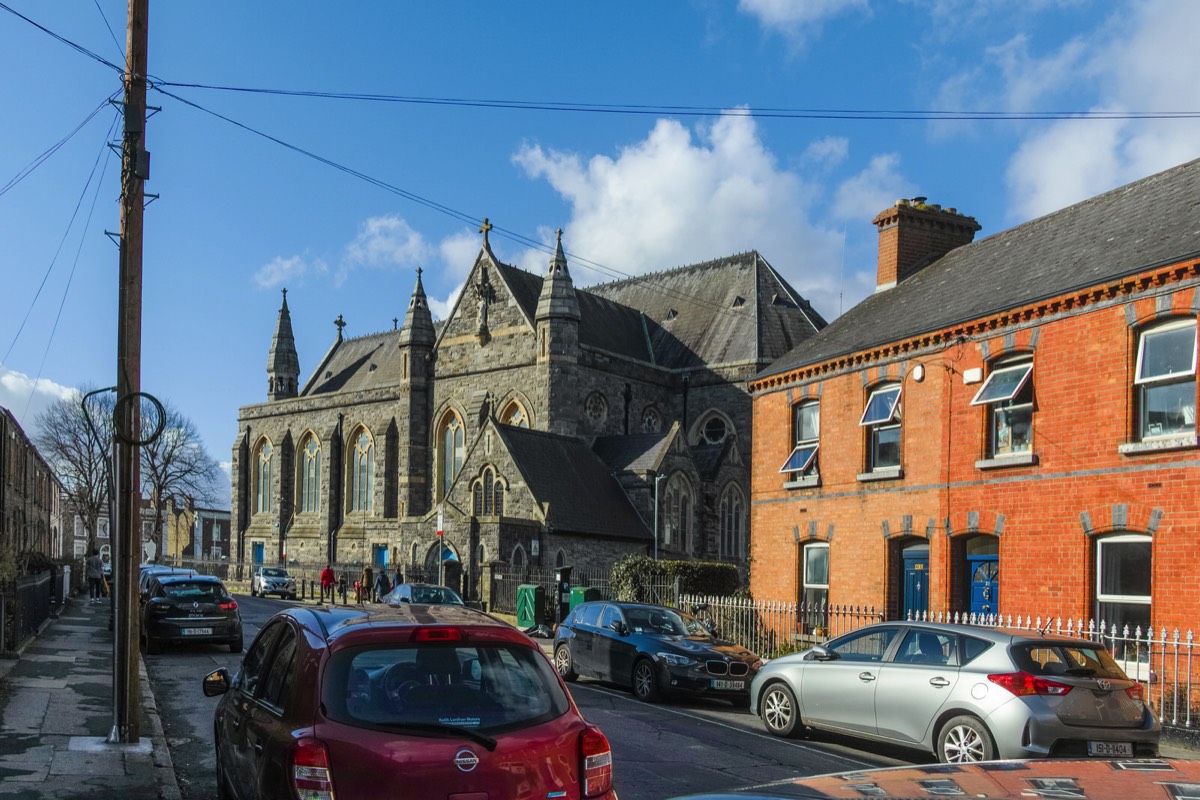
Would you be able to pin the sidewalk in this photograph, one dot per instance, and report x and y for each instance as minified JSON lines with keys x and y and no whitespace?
{"x":58,"y":711}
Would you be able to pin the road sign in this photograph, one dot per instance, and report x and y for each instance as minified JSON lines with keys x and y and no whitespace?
{"x":440,"y":529}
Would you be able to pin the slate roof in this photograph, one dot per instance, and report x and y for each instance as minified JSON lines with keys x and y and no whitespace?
{"x":358,"y":364}
{"x":1149,"y":223}
{"x":735,"y":309}
{"x":584,"y":496}
{"x":637,"y":452}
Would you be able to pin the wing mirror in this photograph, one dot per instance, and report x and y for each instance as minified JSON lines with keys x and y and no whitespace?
{"x":618,"y":626}
{"x":217,"y":682}
{"x":822,"y":653}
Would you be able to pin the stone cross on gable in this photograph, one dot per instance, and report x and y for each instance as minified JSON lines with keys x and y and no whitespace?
{"x":340,"y":323}
{"x":484,"y":228}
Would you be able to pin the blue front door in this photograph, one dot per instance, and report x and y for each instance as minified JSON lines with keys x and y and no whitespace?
{"x":257,"y":552}
{"x":916,"y":585}
{"x":984,"y":575}
{"x":381,"y":555}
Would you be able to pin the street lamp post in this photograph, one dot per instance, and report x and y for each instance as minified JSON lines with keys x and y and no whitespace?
{"x":657,"y":480}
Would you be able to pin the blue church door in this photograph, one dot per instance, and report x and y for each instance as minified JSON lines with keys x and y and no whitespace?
{"x":381,"y":555}
{"x":915,"y":580}
{"x":257,"y":551}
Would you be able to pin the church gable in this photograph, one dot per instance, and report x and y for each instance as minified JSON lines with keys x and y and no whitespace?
{"x":491,"y":484}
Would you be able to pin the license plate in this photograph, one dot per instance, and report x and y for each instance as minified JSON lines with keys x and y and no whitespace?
{"x":1110,"y":749}
{"x":736,"y":686}
{"x":197,"y":631}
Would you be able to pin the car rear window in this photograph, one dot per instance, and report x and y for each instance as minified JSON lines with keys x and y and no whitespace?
{"x":201,"y":591}
{"x":435,"y":595}
{"x":1064,"y":659}
{"x":485,"y":686}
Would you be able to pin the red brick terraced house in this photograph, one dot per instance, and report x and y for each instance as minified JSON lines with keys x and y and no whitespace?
{"x":1005,"y":426}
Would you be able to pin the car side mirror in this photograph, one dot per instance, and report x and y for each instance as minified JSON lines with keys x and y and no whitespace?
{"x":618,"y":626}
{"x":217,"y":682}
{"x":822,"y":653}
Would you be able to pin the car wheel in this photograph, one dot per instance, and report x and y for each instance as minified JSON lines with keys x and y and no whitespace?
{"x":779,"y":711}
{"x":253,"y":591}
{"x":965,"y":740}
{"x":236,"y":645}
{"x":645,"y":681}
{"x":562,"y":662}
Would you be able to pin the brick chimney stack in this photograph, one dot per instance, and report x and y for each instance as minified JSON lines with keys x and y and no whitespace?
{"x":914,"y":234}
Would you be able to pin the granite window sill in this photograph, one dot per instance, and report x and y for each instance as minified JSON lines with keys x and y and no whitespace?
{"x":1000,"y":462}
{"x":803,"y":482}
{"x":892,"y":474}
{"x":1158,"y":445}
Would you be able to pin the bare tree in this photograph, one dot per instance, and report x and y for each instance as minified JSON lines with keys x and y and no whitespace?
{"x":175,"y":464}
{"x":79,"y":453}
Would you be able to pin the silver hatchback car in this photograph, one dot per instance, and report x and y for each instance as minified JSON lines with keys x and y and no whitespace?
{"x":965,"y":693}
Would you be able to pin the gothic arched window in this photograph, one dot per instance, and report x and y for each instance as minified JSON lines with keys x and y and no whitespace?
{"x":514,"y":415}
{"x":678,"y":512}
{"x":362,"y":473}
{"x":263,"y":479}
{"x":733,"y":522}
{"x":451,"y":447}
{"x":310,"y":476}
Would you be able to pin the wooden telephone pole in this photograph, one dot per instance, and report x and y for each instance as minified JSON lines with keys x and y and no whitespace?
{"x":135,"y":169}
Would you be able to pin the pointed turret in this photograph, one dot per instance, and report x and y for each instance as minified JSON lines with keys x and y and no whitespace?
{"x":418,"y":321}
{"x":283,"y":365}
{"x":557,"y":300}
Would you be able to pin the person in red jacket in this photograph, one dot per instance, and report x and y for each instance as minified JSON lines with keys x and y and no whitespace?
{"x":327,"y":582}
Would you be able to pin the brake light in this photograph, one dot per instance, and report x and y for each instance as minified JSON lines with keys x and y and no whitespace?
{"x":439,"y":634}
{"x":597,"y":762}
{"x":229,"y":606}
{"x":1022,"y":683}
{"x":1135,"y":692}
{"x":310,"y":770}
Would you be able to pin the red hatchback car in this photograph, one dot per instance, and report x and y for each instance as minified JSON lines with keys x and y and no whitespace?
{"x":409,"y":701}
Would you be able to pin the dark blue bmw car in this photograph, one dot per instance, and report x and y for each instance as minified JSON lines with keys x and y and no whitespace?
{"x":654,"y":650}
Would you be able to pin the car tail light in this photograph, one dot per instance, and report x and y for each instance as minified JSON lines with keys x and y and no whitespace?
{"x":1135,"y":692}
{"x":597,"y":762}
{"x":229,"y":605}
{"x":439,"y":634}
{"x":1022,"y":683}
{"x":310,"y":770}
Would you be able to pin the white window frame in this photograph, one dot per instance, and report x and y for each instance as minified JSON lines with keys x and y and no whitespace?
{"x":804,"y":455}
{"x":1001,"y":403}
{"x":1145,"y":382}
{"x":866,"y":421}
{"x":805,"y":583}
{"x":982,"y":398}
{"x":876,"y":424}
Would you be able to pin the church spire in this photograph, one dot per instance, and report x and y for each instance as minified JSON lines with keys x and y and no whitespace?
{"x":418,"y":321}
{"x":558,"y":299}
{"x":283,"y":365}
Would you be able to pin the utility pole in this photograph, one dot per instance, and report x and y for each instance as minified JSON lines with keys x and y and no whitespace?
{"x":135,"y":168}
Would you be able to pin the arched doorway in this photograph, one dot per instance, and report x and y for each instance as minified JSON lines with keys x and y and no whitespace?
{"x":983,"y":574}
{"x":914,"y":580}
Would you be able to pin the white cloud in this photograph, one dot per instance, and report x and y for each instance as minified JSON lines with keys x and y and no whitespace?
{"x":1143,"y":59}
{"x":27,"y":398}
{"x":387,"y":241}
{"x":828,"y":152}
{"x":872,"y":190}
{"x":281,"y":271}
{"x":440,"y":309}
{"x":677,"y":198}
{"x":458,"y":253}
{"x":799,"y":20}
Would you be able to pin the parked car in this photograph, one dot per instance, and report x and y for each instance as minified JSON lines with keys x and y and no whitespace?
{"x":440,"y":700}
{"x":422,"y":593}
{"x":1095,"y":779}
{"x":654,"y":650}
{"x":190,"y":608}
{"x":964,"y":693}
{"x":272,"y":580}
{"x":148,"y":571}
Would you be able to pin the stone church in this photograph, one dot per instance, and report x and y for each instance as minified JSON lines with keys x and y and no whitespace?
{"x":543,"y":424}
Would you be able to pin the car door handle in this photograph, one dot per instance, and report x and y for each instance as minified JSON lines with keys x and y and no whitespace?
{"x":939,"y":682}
{"x":866,"y":676}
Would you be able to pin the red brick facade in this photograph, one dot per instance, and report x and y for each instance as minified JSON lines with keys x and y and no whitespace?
{"x":1088,"y":476}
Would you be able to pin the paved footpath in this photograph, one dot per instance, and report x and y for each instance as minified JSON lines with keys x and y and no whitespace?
{"x":58,"y":712}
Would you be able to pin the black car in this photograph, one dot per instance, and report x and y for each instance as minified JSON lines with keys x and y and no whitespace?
{"x":189,"y":608}
{"x":654,"y":650}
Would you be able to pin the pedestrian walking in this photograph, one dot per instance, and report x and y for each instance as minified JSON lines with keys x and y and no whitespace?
{"x":94,"y":571}
{"x":366,"y":583}
{"x":327,"y":582}
{"x":382,"y":585}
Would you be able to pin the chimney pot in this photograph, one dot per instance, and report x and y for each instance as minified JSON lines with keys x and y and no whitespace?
{"x":913,"y":234}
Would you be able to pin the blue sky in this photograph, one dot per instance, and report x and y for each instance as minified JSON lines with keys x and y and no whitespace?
{"x":240,"y":217}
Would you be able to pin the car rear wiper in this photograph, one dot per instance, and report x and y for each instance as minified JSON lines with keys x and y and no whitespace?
{"x":1085,"y":672}
{"x":437,"y":729}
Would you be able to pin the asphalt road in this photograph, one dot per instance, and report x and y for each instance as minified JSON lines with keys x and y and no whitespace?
{"x":659,"y":751}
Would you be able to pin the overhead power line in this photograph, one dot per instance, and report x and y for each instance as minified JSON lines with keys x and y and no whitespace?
{"x":700,"y":111}
{"x":76,"y":47}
